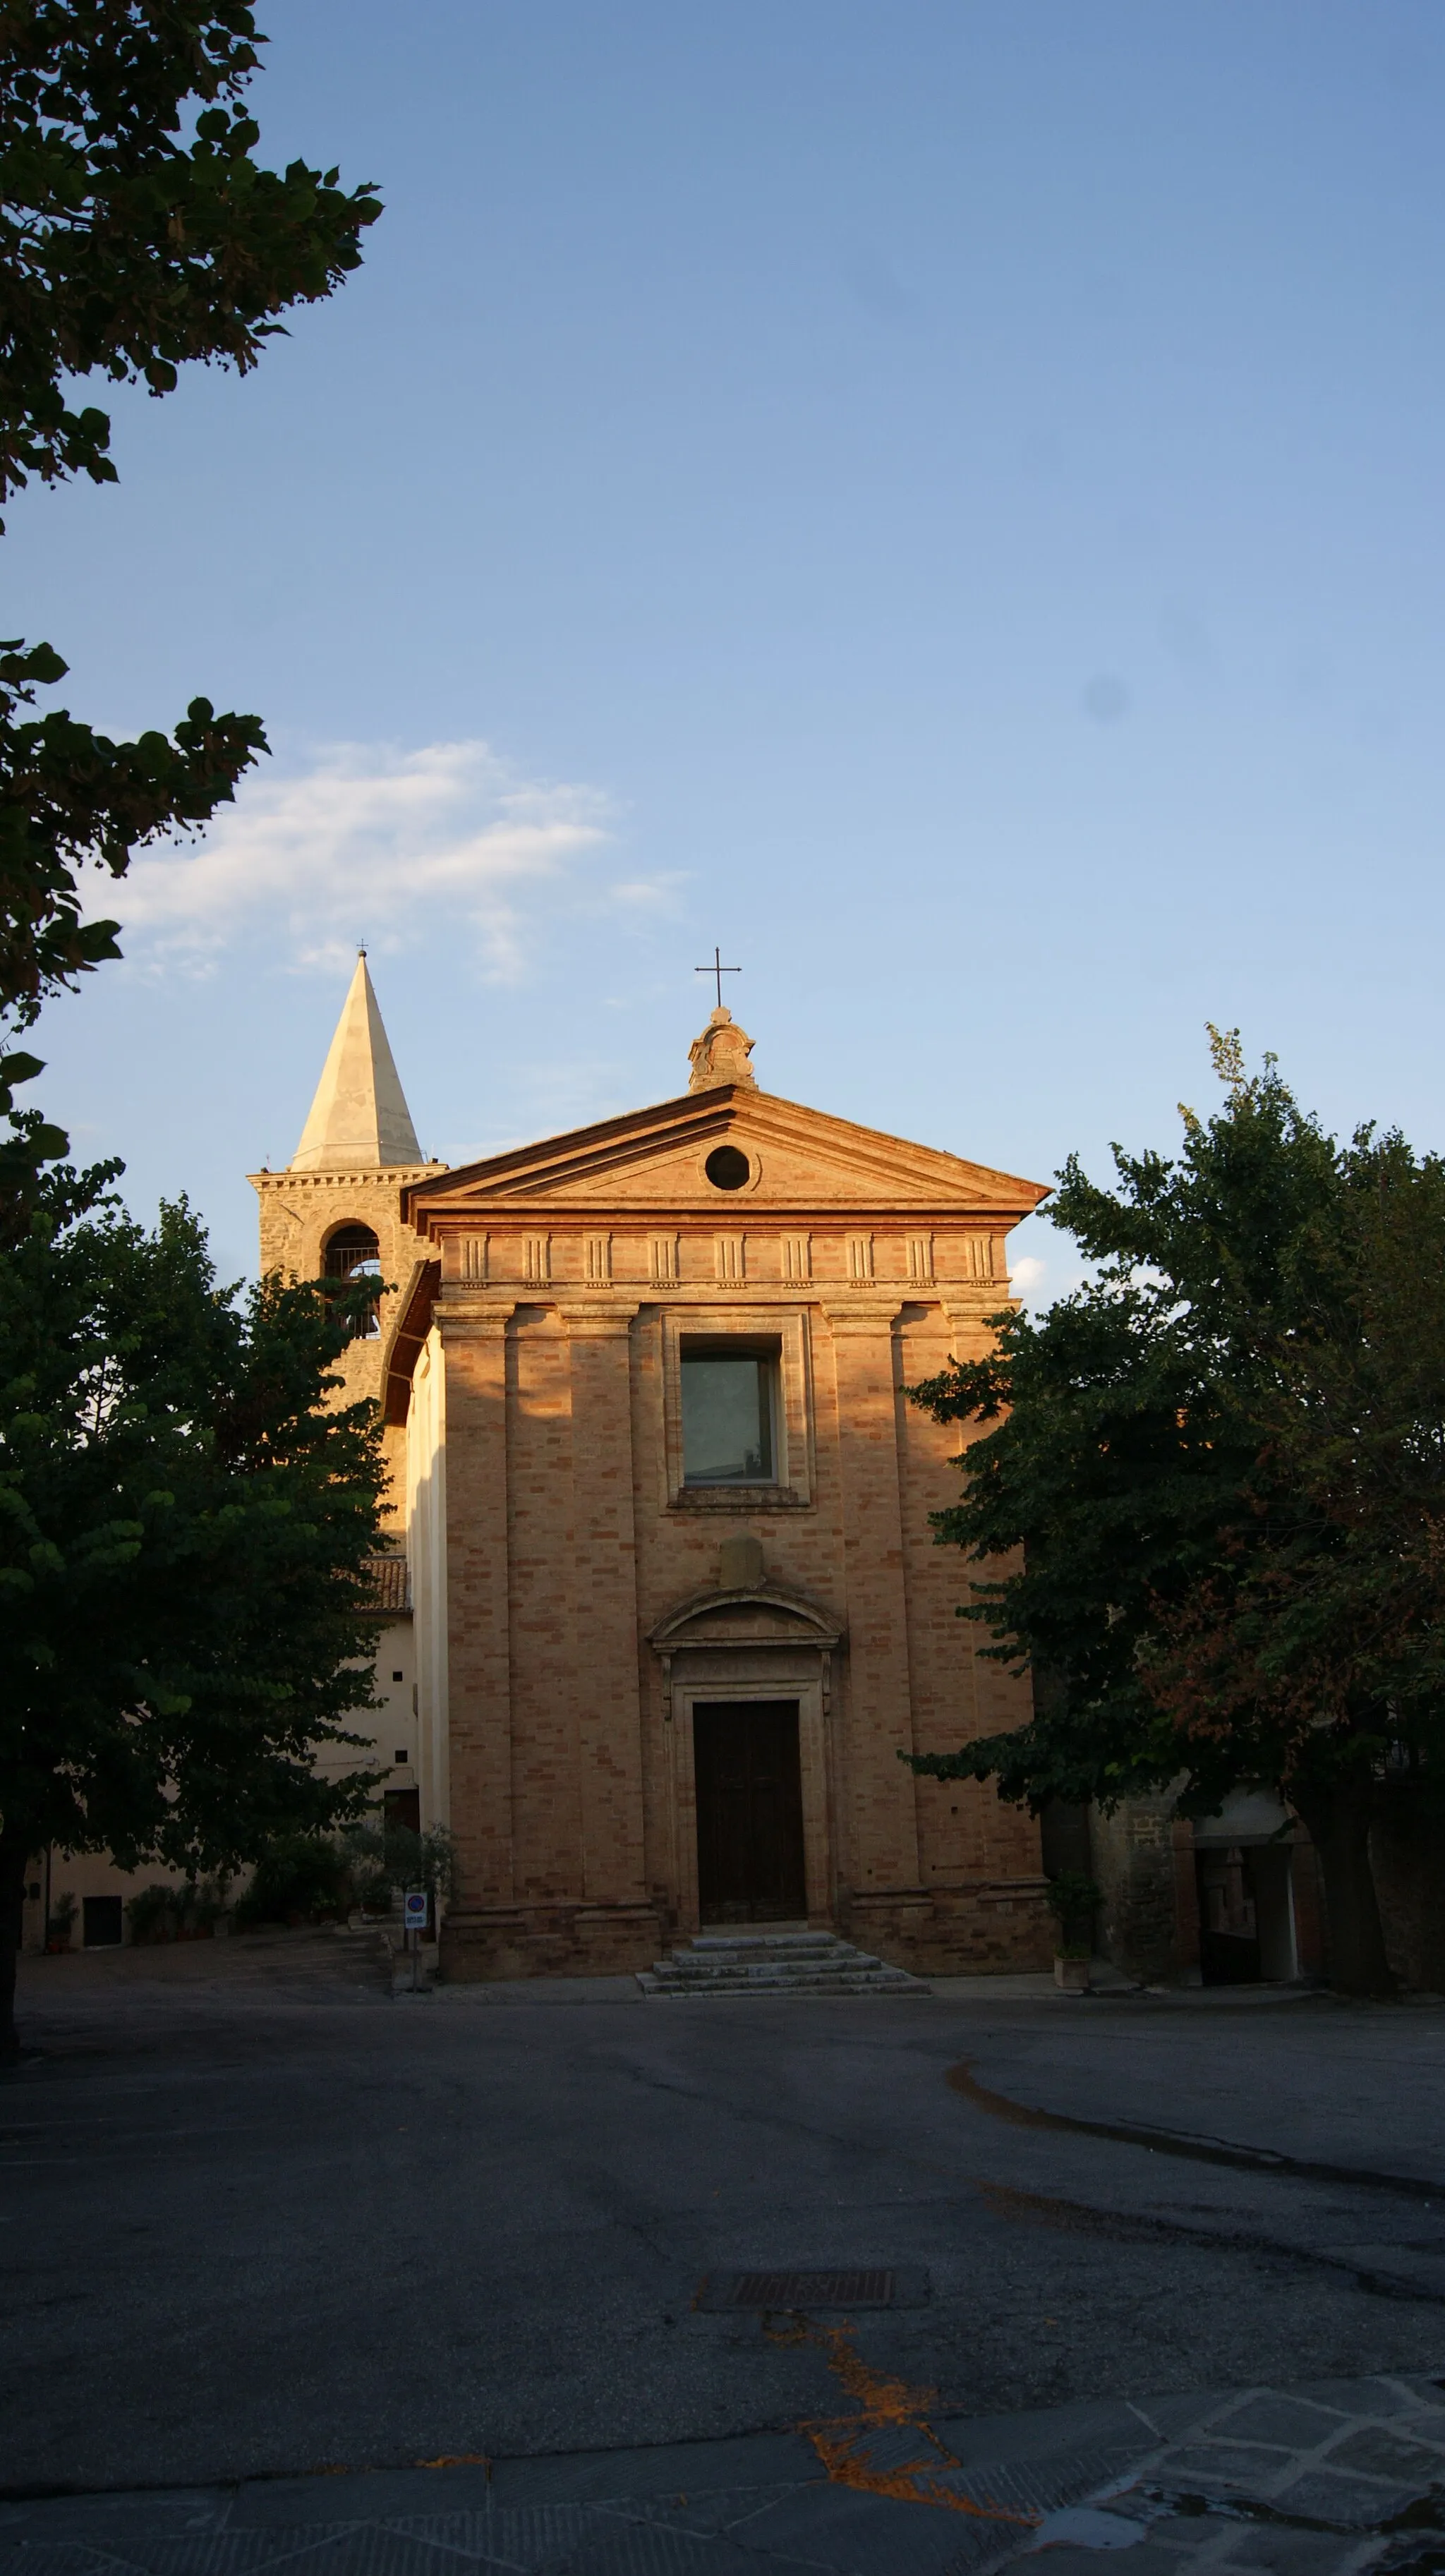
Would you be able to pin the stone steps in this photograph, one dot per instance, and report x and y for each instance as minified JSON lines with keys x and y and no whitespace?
{"x":772,"y":1963}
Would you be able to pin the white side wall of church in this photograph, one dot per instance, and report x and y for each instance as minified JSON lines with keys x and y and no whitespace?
{"x":426,"y":1542}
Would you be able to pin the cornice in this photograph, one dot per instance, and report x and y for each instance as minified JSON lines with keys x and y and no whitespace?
{"x":531,"y":1178}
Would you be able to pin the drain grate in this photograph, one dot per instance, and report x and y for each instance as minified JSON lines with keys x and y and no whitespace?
{"x":865,"y":2286}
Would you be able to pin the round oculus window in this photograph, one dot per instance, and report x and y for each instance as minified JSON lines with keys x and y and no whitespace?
{"x":727,"y":1168}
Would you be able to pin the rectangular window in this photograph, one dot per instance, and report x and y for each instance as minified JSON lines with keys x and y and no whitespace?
{"x":728,"y":1402}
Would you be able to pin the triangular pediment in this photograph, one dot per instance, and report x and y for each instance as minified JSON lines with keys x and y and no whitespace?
{"x":654,"y":1160}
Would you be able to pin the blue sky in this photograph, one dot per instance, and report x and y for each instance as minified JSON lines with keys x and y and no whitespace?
{"x":943,"y":500}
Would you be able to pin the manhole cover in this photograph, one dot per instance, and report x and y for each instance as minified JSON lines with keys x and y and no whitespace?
{"x":866,"y":2286}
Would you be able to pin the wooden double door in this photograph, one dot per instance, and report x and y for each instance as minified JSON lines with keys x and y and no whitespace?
{"x":749,"y":1811}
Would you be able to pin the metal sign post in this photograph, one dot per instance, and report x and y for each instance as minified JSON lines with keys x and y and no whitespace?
{"x":414,"y":1916}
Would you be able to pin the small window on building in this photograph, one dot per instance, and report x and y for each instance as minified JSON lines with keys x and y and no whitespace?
{"x":400,"y":1757}
{"x":397,"y":1677}
{"x":354,"y":1253}
{"x":729,"y":1408}
{"x":102,"y":1923}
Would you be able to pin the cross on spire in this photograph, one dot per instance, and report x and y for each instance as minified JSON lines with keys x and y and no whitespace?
{"x":718,"y":969}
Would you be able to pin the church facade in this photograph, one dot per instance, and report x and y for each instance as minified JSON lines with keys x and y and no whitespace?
{"x":675,"y":1604}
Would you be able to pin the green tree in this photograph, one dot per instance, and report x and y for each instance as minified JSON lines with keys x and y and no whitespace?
{"x":185,"y":1514}
{"x":137,"y":232}
{"x":162,"y":1686}
{"x":1207,"y":1492}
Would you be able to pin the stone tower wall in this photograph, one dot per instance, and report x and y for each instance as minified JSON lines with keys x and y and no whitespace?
{"x":299,"y":1213}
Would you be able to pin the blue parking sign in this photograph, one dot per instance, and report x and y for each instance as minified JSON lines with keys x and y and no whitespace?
{"x":416,"y":1909}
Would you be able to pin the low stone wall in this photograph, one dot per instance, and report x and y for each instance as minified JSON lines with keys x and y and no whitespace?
{"x":1143,"y":1860}
{"x":980,"y":1927}
{"x":549,"y":1941}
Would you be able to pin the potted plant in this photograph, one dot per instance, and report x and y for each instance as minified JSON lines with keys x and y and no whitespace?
{"x":201,"y":1908}
{"x":1073,"y":1899}
{"x":151,"y":1913}
{"x":61,"y":1923}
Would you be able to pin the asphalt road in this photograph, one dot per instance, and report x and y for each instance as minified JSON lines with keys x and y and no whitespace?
{"x":257,"y":2217}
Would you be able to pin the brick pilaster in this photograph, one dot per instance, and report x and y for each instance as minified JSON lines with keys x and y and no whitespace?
{"x":882,"y":1832}
{"x":603,"y":1582}
{"x":475,"y":1351}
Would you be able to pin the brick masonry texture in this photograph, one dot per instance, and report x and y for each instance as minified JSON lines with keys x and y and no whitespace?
{"x":588,"y":1599}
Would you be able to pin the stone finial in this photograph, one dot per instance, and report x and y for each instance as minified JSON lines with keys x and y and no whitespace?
{"x":721,"y":1054}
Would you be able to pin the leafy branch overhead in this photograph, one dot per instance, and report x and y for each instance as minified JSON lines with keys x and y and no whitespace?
{"x":137,"y":233}
{"x":69,"y":795}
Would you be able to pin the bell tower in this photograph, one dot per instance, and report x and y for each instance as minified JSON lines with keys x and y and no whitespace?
{"x":336,"y":1208}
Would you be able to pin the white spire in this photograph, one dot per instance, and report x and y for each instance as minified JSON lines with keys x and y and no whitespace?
{"x":359,"y":1118}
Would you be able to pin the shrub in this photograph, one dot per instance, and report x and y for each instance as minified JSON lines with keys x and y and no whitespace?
{"x":392,"y":1858}
{"x":151,"y":1913}
{"x":1075,"y":1900}
{"x":162,"y":1913}
{"x":298,"y":1878}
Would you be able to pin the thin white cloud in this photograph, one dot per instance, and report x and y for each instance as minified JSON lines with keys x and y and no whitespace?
{"x":370,"y":844}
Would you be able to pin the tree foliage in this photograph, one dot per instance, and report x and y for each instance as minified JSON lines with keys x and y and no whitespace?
{"x":1207,"y":1498}
{"x":70,"y":796}
{"x":183,"y":1513}
{"x":185,"y":1518}
{"x":137,"y":232}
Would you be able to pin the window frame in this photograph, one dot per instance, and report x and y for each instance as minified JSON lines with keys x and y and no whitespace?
{"x":779,"y":1333}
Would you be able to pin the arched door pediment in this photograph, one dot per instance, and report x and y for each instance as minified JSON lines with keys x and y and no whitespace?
{"x":760,"y":1614}
{"x":735,"y":1638}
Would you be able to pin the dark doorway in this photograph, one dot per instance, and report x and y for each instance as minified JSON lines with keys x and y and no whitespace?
{"x":402,"y":1807}
{"x":1246,"y":1914}
{"x":1228,"y":1917}
{"x":103,"y":1929}
{"x":749,"y":1812}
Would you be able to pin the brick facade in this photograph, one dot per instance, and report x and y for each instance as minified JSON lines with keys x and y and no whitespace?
{"x":581,"y":1596}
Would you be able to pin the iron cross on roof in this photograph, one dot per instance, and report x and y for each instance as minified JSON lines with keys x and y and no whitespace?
{"x":718,"y":969}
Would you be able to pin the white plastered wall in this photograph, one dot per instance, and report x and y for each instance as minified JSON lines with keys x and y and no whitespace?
{"x":426,"y":1461}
